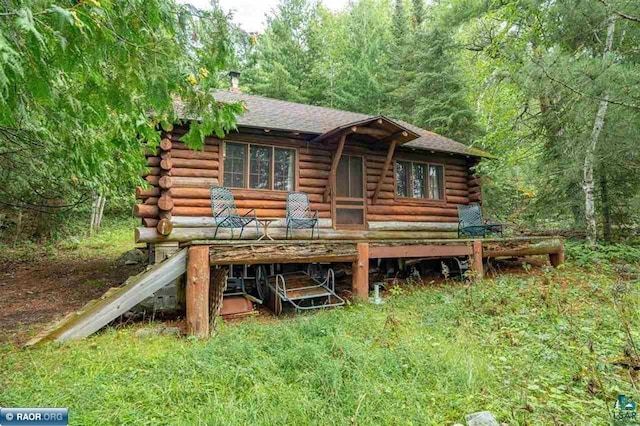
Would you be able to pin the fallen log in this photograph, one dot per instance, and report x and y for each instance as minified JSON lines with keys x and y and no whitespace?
{"x":513,"y":248}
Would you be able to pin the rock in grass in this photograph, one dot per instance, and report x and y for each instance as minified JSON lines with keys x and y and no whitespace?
{"x":132,"y":257}
{"x":482,"y":418}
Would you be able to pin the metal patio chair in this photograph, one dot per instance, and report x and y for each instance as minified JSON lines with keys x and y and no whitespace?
{"x":304,"y":290}
{"x":470,"y":223}
{"x":225,"y":212}
{"x":299,"y":215}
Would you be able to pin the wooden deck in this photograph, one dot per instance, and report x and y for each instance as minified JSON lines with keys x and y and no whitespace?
{"x":356,"y":252}
{"x":228,"y":252}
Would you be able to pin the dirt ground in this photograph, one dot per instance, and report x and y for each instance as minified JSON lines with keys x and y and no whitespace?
{"x":34,"y":294}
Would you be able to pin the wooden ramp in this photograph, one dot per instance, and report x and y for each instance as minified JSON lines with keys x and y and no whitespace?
{"x":115,"y":302}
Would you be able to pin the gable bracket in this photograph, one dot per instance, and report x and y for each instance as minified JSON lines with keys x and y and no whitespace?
{"x":385,"y":169}
{"x":334,"y":168}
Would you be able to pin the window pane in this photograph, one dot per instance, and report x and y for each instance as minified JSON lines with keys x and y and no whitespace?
{"x":349,"y":216}
{"x":419,"y":184}
{"x":259,"y":167}
{"x":234,"y":163}
{"x":283,"y":174}
{"x":436,"y":182}
{"x":402,"y":178}
{"x":342,"y":177}
{"x":355,"y":178}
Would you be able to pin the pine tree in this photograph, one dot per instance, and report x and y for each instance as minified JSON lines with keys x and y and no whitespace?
{"x":435,"y":92}
{"x":286,"y":53}
{"x":418,"y":12}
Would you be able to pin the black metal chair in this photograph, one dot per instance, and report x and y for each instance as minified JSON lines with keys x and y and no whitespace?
{"x":470,"y":222}
{"x":225,"y":212}
{"x":299,"y":215}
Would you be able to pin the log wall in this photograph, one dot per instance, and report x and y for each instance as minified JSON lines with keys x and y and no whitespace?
{"x":180,"y":179}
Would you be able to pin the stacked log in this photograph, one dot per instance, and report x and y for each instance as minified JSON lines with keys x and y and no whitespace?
{"x":165,"y":202}
{"x":151,"y":235}
{"x":180,"y":179}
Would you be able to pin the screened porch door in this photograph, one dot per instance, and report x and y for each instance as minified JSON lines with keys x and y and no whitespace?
{"x":350,"y":201}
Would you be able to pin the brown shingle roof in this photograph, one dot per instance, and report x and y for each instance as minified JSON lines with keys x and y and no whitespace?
{"x":282,"y":115}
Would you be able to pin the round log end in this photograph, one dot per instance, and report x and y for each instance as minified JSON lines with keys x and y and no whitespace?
{"x":165,"y":144}
{"x":164,"y":227}
{"x":165,"y":203}
{"x":165,"y":182}
{"x":166,"y":164}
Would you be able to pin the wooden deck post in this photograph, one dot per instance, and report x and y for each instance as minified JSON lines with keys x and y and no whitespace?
{"x":197,"y":291}
{"x":557,"y":259}
{"x":360,"y":283}
{"x":476,"y":260}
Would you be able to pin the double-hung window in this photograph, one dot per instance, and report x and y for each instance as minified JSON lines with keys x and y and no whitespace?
{"x":419,"y":180}
{"x":258,"y":167}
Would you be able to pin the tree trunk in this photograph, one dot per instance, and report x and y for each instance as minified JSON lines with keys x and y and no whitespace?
{"x":103,"y":200}
{"x":94,"y":211}
{"x":589,"y":158}
{"x":606,"y":208}
{"x":97,"y":209}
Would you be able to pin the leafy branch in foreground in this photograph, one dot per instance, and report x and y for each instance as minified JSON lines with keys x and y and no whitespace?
{"x":89,"y":82}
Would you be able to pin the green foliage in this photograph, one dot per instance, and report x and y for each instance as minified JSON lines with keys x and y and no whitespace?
{"x":91,"y":85}
{"x":538,"y":73}
{"x":606,"y":256}
{"x":287,"y":51}
{"x":533,"y":350}
{"x":375,"y":57}
{"x":114,"y":238}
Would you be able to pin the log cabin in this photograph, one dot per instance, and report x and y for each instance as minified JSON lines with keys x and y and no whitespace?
{"x":383,"y":189}
{"x":369,"y":177}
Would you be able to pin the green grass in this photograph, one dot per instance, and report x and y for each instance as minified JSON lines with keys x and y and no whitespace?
{"x":115,"y":237}
{"x":532,"y":349}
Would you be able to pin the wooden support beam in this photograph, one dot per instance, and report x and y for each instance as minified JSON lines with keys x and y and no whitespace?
{"x":396,"y":135}
{"x":360,"y":278}
{"x":385,"y":169}
{"x":372,"y":132}
{"x":382,"y":252}
{"x":476,"y":260}
{"x":197,"y":291}
{"x":256,"y":253}
{"x":334,"y":167}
